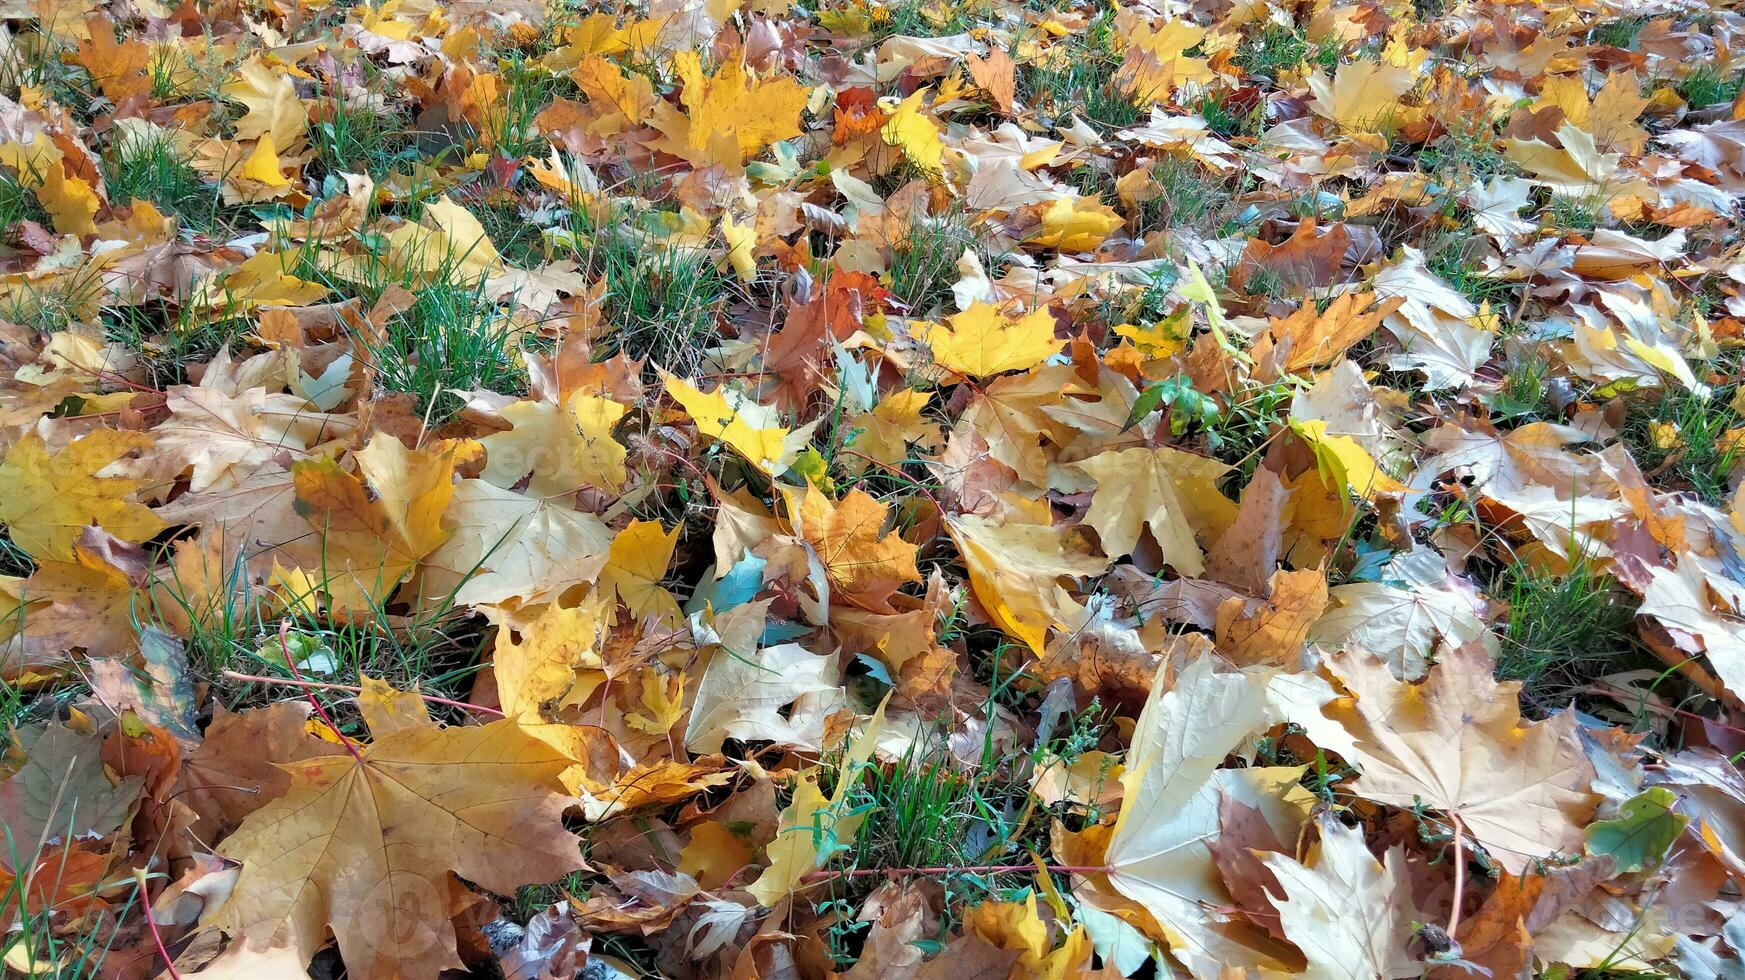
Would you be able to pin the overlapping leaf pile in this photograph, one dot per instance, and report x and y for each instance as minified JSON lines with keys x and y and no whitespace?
{"x":879,"y":489}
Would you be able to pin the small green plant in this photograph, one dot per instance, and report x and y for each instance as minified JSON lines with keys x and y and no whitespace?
{"x":1708,"y":85}
{"x":1230,"y":117}
{"x":662,"y":302}
{"x":1562,"y":631}
{"x":1189,"y":196}
{"x":17,"y":202}
{"x":1252,"y":417}
{"x":1522,"y":393}
{"x":923,"y":265}
{"x":1278,"y":48}
{"x":921,"y":18}
{"x":169,"y":338}
{"x":1079,"y":80}
{"x":452,"y":339}
{"x":155,"y":169}
{"x":1620,"y":33}
{"x":359,"y":139}
{"x":1453,"y":256}
{"x":1683,"y":440}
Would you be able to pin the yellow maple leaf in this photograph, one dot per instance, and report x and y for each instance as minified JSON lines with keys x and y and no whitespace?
{"x":263,"y":165}
{"x":1342,"y":462}
{"x":799,"y":848}
{"x":563,"y":447}
{"x":538,"y":660}
{"x":866,"y":564}
{"x":637,"y":562}
{"x":1364,"y":96}
{"x":259,"y":281}
{"x":1610,"y":116}
{"x":1076,"y":224}
{"x":982,"y":341}
{"x":1016,"y":562}
{"x":271,"y":99}
{"x":47,"y":501}
{"x":1172,"y":492}
{"x":365,"y":841}
{"x":727,"y":118}
{"x":370,"y":537}
{"x":915,"y":132}
{"x":752,"y":429}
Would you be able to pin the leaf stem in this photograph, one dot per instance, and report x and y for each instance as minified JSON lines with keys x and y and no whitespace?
{"x":319,"y":686}
{"x":285,"y":648}
{"x":151,"y":923}
{"x":1459,"y":877}
{"x":813,"y":876}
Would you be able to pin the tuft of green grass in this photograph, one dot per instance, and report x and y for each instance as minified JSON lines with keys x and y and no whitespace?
{"x":1681,"y":440}
{"x":452,"y":339}
{"x":359,"y":139}
{"x":507,"y":128}
{"x":921,"y":18}
{"x":663,"y":303}
{"x":1620,"y":33}
{"x":923,"y":267}
{"x":1080,"y":82}
{"x":1240,"y":434}
{"x":154,"y":169}
{"x":1522,"y":393}
{"x":1279,"y":48}
{"x":1562,"y":631}
{"x":1190,"y":196}
{"x":169,"y":339}
{"x":1453,"y":256}
{"x":17,"y":202}
{"x":1708,"y":85}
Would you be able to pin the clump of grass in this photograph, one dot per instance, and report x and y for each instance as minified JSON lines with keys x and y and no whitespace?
{"x":1620,"y":33}
{"x":17,"y":202}
{"x":153,"y":168}
{"x":226,"y":625}
{"x":1189,"y":196}
{"x":507,"y":128}
{"x":1079,"y":79}
{"x":169,"y":339}
{"x":1522,"y":393}
{"x":923,"y":266}
{"x":1241,"y":432}
{"x":662,"y":302}
{"x":54,"y":306}
{"x":521,"y":242}
{"x":1580,"y":214}
{"x":1452,"y":256}
{"x":451,"y":339}
{"x":1681,"y":440}
{"x":359,"y":139}
{"x":921,"y":18}
{"x":1708,"y":85}
{"x":1279,"y":48}
{"x":1562,"y":631}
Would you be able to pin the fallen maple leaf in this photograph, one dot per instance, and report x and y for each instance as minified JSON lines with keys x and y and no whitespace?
{"x":1455,"y":743}
{"x":46,"y":501}
{"x":1350,"y":914}
{"x":362,"y":843}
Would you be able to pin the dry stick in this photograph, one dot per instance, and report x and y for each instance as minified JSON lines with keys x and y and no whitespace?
{"x":152,"y":924}
{"x":1459,"y":877}
{"x":320,"y":686}
{"x":812,"y":876}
